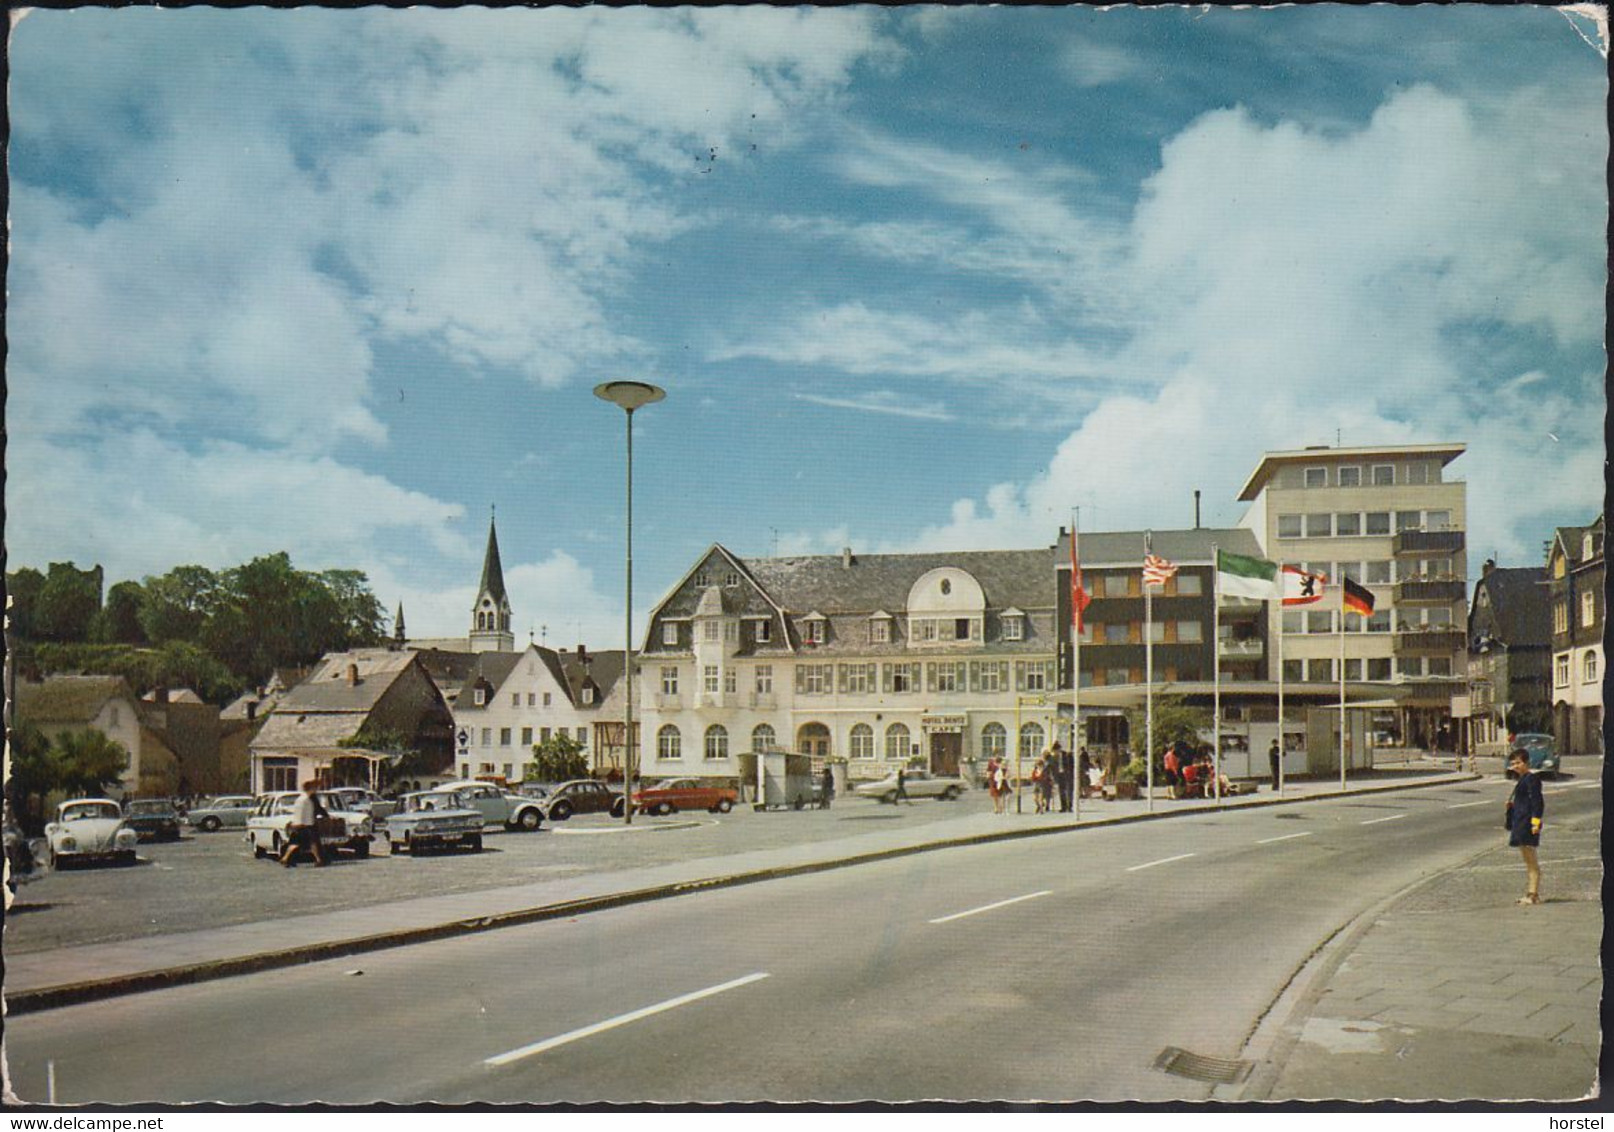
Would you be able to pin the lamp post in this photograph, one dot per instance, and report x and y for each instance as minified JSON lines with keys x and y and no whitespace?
{"x":629,"y":396}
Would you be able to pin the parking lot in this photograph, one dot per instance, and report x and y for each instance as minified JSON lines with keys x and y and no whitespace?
{"x":209,"y":880}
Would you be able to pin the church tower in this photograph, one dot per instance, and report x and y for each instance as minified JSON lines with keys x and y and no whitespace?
{"x":490,"y":618}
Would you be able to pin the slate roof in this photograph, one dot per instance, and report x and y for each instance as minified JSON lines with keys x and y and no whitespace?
{"x":69,"y":699}
{"x":1190,"y":547}
{"x":1572,"y":537}
{"x":492,"y":569}
{"x":494,"y":667}
{"x":292,"y":731}
{"x":1521,"y":605}
{"x":604,"y":668}
{"x":826,"y":584}
{"x":327,"y":689}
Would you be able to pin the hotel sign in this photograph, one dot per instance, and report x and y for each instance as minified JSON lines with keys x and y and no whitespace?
{"x":943,"y":722}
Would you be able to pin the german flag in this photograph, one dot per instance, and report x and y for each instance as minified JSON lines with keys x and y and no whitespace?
{"x":1358,"y":599}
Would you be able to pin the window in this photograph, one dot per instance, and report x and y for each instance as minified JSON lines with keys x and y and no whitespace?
{"x":764,"y":632}
{"x":669,"y":743}
{"x":765,"y":679}
{"x":989,"y":675}
{"x":1157,"y":631}
{"x":1353,"y":623}
{"x":762,"y":737}
{"x":1378,"y":573}
{"x":669,"y":633}
{"x":1378,"y":668}
{"x":1351,"y":570}
{"x":546,"y":699}
{"x":487,"y":736}
{"x":515,"y":699}
{"x":731,"y":631}
{"x":813,"y":631}
{"x":901,"y":677}
{"x":279,"y":774}
{"x":481,"y":697}
{"x":1294,"y":670}
{"x":1031,"y":675}
{"x":814,"y":679}
{"x":1190,"y":585}
{"x":1347,"y":523}
{"x":962,"y":627}
{"x":1316,"y":477}
{"x":1560,"y":617}
{"x":582,"y":736}
{"x":1031,"y":735}
{"x":862,"y":741}
{"x":526,"y":736}
{"x":1416,"y":472}
{"x":1289,"y":526}
{"x":1378,"y":522}
{"x":1409,"y":665}
{"x":1320,"y":670}
{"x":994,"y":740}
{"x":1440,"y":617}
{"x":1588,"y":609}
{"x":717,"y":742}
{"x":1114,"y":676}
{"x":1353,"y":669}
{"x":1014,"y":628}
{"x":532,"y":699}
{"x":1560,"y":670}
{"x":504,"y":736}
{"x":710,"y":630}
{"x":896,"y":742}
{"x":730,"y":676}
{"x":1438,"y":521}
{"x":1293,"y":621}
{"x":1319,"y":621}
{"x":1379,"y":621}
{"x":1350,"y":477}
{"x":588,"y":694}
{"x":1383,"y":475}
{"x":1408,"y":520}
{"x":731,"y":578}
{"x":669,"y":681}
{"x":1588,"y":668}
{"x":1117,"y":634}
{"x":1440,"y":666}
{"x":543,"y":734}
{"x":703,"y":579}
{"x":1190,"y":632}
{"x":944,"y":676}
{"x":1320,"y":525}
{"x":508,"y":769}
{"x":857,"y":679}
{"x":880,"y":630}
{"x":709,"y":679}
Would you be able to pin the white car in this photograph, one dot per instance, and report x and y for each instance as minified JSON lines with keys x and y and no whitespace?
{"x":361,"y":799}
{"x":90,"y":829}
{"x":435,"y":819}
{"x":499,"y":807}
{"x":225,"y":810}
{"x":916,"y":784}
{"x":268,"y":829}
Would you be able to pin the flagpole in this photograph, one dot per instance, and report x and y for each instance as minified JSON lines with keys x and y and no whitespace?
{"x":1075,"y":668}
{"x":1216,"y":672}
{"x":1148,"y":677}
{"x":1283,"y":745}
{"x":1343,"y":733}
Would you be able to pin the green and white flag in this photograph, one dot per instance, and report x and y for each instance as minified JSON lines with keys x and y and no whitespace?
{"x":1238,"y":576}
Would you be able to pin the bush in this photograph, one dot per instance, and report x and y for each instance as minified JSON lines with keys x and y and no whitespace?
{"x":1134,"y":771}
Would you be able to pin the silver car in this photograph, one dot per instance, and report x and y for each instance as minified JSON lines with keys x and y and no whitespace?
{"x":915,"y":784}
{"x":435,"y":819}
{"x":227,"y":810}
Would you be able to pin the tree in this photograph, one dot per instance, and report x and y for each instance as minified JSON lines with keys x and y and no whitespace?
{"x":364,"y":622}
{"x":67,"y":603}
{"x":556,"y":759}
{"x":22,"y":587}
{"x":119,"y":619}
{"x":33,"y":774}
{"x":1174,"y":721}
{"x":87,"y":762}
{"x":177,"y":603}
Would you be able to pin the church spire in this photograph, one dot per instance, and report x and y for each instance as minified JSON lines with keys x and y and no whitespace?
{"x":490,"y":618}
{"x":398,"y":634}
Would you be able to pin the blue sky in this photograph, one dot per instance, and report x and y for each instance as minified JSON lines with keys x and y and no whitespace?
{"x":335,"y":282}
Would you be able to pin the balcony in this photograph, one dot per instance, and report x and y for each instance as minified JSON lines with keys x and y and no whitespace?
{"x":1250,"y":649}
{"x":1424,"y":641}
{"x":1426,"y":591}
{"x":1428,"y":542}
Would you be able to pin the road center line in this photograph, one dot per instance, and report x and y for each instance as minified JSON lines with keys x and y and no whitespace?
{"x":1285,"y":837}
{"x":1392,"y":817}
{"x":620,"y":1020}
{"x":989,"y":907}
{"x":1162,"y":861}
{"x":1465,"y":805}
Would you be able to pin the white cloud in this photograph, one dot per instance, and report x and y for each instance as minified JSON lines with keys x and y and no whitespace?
{"x":1090,"y":63}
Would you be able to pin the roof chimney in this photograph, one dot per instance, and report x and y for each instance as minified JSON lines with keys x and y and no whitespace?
{"x":252,"y":710}
{"x":582,"y":654}
{"x":1196,"y":508}
{"x":352,"y":675}
{"x":846,"y":557}
{"x":1490,"y":564}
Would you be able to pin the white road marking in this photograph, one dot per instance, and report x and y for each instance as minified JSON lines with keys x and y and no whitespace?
{"x":989,"y":907}
{"x":1285,"y":837}
{"x":1465,"y":805}
{"x":1392,"y":817}
{"x":619,"y":1020}
{"x":1162,"y":861}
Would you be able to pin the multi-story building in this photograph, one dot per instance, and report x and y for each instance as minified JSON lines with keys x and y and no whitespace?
{"x":1576,"y":577}
{"x":1509,"y":655}
{"x":880,"y":660}
{"x":1390,"y":519}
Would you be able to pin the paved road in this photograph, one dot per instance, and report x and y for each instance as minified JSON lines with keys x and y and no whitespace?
{"x":1055,"y":968}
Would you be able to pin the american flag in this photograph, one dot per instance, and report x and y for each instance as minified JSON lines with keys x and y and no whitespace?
{"x":1157,"y":570}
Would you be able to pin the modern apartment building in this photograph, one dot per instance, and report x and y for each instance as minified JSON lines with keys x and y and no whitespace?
{"x":880,"y":660}
{"x":1391,"y":519}
{"x":1576,"y":577}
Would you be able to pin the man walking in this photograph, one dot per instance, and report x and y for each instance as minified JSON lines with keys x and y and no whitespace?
{"x":1066,"y":778}
{"x":1276,"y":760}
{"x":902,"y":787}
{"x":303,"y":833}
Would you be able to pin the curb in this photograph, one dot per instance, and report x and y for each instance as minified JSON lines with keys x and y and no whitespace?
{"x":69,"y":994}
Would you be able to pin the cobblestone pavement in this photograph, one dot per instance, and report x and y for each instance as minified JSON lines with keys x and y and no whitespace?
{"x":1457,"y":983}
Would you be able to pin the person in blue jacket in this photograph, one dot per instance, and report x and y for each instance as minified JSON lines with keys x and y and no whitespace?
{"x":1525,"y":812}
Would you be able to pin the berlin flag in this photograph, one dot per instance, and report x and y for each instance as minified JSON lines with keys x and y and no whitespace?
{"x":1301,"y":587}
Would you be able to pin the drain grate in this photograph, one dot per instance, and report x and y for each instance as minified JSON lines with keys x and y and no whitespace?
{"x":1198,"y":1067}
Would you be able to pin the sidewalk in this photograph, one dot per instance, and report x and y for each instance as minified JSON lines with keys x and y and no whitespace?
{"x":46,"y":979}
{"x":1453,"y":983}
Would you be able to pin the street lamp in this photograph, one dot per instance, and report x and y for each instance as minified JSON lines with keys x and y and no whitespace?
{"x":629,"y":395}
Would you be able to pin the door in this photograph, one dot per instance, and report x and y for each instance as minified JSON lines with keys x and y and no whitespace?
{"x":946,"y":747}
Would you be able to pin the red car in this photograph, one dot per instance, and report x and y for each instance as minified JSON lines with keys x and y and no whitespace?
{"x":685,"y":794}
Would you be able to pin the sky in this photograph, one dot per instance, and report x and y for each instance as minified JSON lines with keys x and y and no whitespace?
{"x":340,"y":283}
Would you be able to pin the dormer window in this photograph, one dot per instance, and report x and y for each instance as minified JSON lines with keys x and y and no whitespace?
{"x":588,"y":693}
{"x":764,"y":632}
{"x":480,"y":696}
{"x":1014,"y":625}
{"x":669,"y":633}
{"x":813,"y":629}
{"x":1586,"y":547}
{"x":880,"y":629}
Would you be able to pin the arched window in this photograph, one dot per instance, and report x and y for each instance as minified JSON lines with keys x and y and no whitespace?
{"x":994,"y":740}
{"x":862,"y":741}
{"x":1031,"y":740}
{"x":762,"y":737}
{"x":669,"y":744}
{"x":717,"y":742}
{"x":896,"y":742}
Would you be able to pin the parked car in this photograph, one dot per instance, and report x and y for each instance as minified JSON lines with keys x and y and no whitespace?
{"x":268,"y":829}
{"x":533,"y":790}
{"x":582,"y":796}
{"x":213,"y":814}
{"x":498,"y":806}
{"x":917,"y":783}
{"x":685,"y":794}
{"x":435,"y":819}
{"x":361,"y":799}
{"x":1542,"y":748}
{"x":19,"y":856}
{"x":90,"y":829}
{"x":153,"y":819}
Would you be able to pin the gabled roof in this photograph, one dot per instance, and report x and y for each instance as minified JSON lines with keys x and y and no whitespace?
{"x":827,"y":584}
{"x":327,"y":687}
{"x":494,"y":667}
{"x":69,"y":699}
{"x":1569,"y":540}
{"x":1190,"y":547}
{"x":1521,"y":604}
